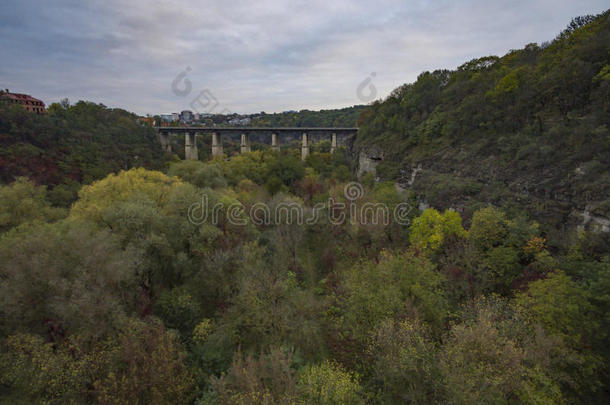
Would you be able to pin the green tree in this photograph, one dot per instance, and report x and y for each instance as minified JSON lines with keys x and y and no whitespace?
{"x":399,"y":285}
{"x":22,"y":201}
{"x":480,"y":363}
{"x":560,"y":305}
{"x":489,"y":228}
{"x":271,"y":309}
{"x":66,"y":276}
{"x":564,"y":310}
{"x":405,"y":365}
{"x":198,"y":173}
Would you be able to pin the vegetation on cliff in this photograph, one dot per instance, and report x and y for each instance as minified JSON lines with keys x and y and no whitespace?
{"x":528,"y":131}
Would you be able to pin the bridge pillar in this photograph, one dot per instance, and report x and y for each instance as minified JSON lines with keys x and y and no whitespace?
{"x":305,"y":146}
{"x":165,"y":140}
{"x":190,"y":146}
{"x":187,"y":146}
{"x":274,"y":144}
{"x":216,"y":144}
{"x":333,"y":143}
{"x":245,"y":143}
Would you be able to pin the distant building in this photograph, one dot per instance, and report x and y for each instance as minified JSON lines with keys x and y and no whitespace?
{"x":167,"y":117}
{"x":28,"y":102}
{"x":175,"y":117}
{"x":240,"y":121}
{"x":186,"y":116}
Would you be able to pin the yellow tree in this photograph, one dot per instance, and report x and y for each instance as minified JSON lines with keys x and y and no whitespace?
{"x":432,"y":229}
{"x":122,"y":187}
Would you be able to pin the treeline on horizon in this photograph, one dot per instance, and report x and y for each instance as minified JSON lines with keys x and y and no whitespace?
{"x":342,"y":117}
{"x":110,"y":294}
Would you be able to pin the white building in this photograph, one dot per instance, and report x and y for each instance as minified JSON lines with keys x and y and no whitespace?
{"x":240,"y":121}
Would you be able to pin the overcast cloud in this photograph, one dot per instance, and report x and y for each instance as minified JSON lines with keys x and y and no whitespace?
{"x":255,"y":55}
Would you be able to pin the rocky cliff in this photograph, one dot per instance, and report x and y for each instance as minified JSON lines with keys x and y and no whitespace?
{"x":528,"y":131}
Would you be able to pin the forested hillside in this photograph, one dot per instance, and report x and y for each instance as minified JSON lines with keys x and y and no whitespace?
{"x":74,"y":144}
{"x":529,"y":131}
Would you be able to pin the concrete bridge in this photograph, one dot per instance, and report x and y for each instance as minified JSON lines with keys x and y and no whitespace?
{"x":337,"y":136}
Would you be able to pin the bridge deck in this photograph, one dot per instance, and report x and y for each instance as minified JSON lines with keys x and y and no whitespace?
{"x":277,"y":130}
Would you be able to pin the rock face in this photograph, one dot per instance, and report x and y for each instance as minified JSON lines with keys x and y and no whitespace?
{"x":595,"y":223}
{"x":562,"y":195}
{"x":368,"y":160}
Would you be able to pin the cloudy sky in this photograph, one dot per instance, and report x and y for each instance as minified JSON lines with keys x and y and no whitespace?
{"x":250,"y":56}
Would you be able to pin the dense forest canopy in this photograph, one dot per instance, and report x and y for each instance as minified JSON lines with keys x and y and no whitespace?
{"x":115,"y":287}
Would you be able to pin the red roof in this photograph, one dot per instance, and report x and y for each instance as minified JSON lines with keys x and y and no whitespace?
{"x":20,"y":97}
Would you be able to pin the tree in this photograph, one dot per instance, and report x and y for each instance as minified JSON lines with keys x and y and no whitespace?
{"x":489,"y":228}
{"x":561,"y":306}
{"x":264,"y":379}
{"x":399,"y":285}
{"x":564,"y":310}
{"x":287,"y":168}
{"x":65,"y":277}
{"x":432,"y":229}
{"x":480,"y":364}
{"x":36,"y":371}
{"x":95,"y":198}
{"x":271,"y":309}
{"x":146,"y":367}
{"x":328,"y":384}
{"x":502,"y":252}
{"x":198,"y":173}
{"x":405,"y":363}
{"x":22,"y":201}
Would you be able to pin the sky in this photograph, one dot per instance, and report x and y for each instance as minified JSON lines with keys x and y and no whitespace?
{"x":211,"y":56}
